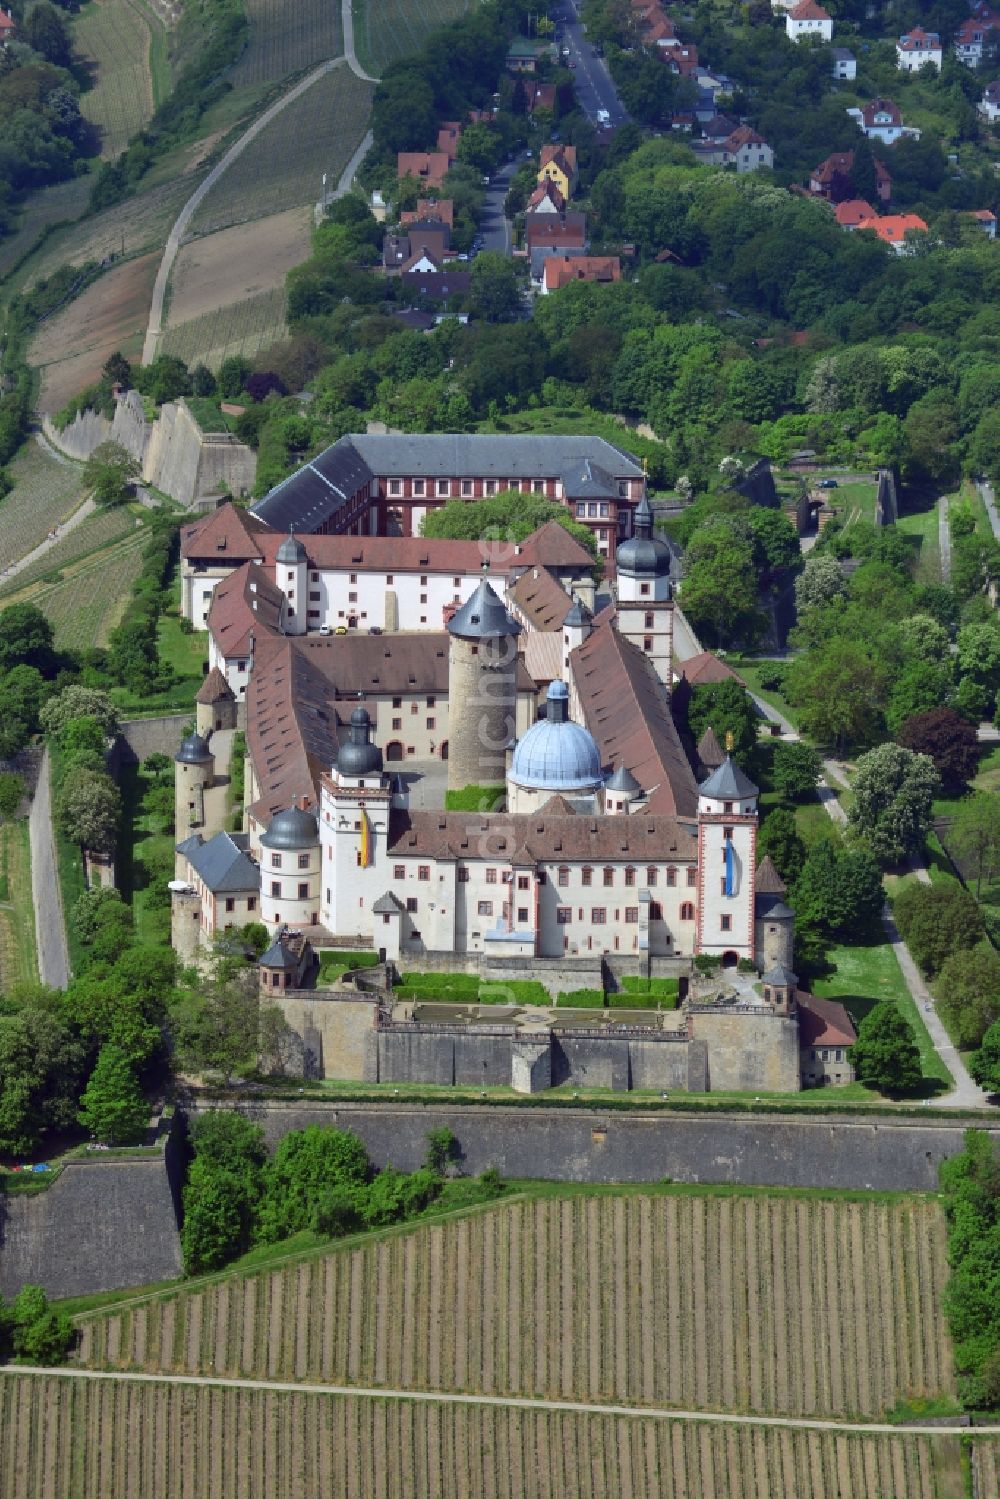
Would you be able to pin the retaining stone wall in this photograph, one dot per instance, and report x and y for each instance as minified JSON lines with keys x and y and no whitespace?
{"x":588,"y":1145}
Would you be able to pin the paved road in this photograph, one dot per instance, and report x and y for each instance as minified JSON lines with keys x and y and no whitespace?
{"x":594,"y":88}
{"x":989,"y":500}
{"x":346,"y":178}
{"x":495,"y":231}
{"x":944,"y":539}
{"x":50,"y":931}
{"x":347,"y":20}
{"x":517,"y":1402}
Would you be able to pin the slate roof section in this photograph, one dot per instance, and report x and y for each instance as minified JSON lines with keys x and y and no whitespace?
{"x":453,"y":455}
{"x":728,"y":783}
{"x":278,"y":955}
{"x":625,"y":707}
{"x":540,"y":838}
{"x":483,"y":616}
{"x":541,"y":599}
{"x":388,"y":905}
{"x":824,"y":1022}
{"x":222,"y":863}
{"x":781,"y":977}
{"x":309,"y":498}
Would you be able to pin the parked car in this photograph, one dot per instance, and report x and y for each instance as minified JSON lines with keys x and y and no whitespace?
{"x":828,"y":484}
{"x":325,"y":630}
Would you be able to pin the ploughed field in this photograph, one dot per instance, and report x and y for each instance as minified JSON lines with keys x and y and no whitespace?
{"x":795,"y":1306}
{"x":83,"y":1439}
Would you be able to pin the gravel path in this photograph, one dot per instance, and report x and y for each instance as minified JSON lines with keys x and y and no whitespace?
{"x":50,"y":933}
{"x":517,"y":1402}
{"x":989,"y":500}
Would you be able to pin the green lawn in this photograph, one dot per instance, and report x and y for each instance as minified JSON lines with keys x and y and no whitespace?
{"x":750,"y":670}
{"x":920,"y":528}
{"x":866,"y":974}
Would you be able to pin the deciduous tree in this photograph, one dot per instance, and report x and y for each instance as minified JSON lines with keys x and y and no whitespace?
{"x":968,"y":990}
{"x":975,"y":837}
{"x":112,"y":1107}
{"x":885,"y":1055}
{"x":893,"y":791}
{"x":950,"y":741}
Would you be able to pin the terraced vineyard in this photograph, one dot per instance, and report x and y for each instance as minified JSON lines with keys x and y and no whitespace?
{"x":387,"y":29}
{"x":63,"y":201}
{"x":284,"y":165}
{"x":98,"y":531}
{"x":240,"y":328}
{"x":45,"y":493}
{"x":286,"y":38}
{"x":81,"y":1439}
{"x":787,"y":1305}
{"x":113,"y":38}
{"x":18,"y":961}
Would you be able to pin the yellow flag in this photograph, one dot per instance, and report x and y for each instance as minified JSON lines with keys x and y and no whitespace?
{"x":366,"y":842}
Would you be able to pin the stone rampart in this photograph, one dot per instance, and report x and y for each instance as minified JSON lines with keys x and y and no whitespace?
{"x":854,"y":1153}
{"x":194,"y":467}
{"x":141,"y":737}
{"x":104,"y":1224}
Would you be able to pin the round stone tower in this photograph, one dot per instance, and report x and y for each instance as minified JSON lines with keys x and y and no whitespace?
{"x":290,"y":870}
{"x":482,"y":690}
{"x":194,"y":772}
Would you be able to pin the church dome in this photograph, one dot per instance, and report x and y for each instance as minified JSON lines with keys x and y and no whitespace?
{"x":643,"y":555}
{"x":556,"y":754}
{"x":358,"y":756}
{"x":291,"y":829}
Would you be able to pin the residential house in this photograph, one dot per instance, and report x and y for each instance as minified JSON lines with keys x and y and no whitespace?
{"x":918,"y":49}
{"x":807,"y":19}
{"x":845,"y":64}
{"x":524,"y":55}
{"x":749,"y":151}
{"x":423,"y":237}
{"x":8,"y":27}
{"x":719,"y":128}
{"x":833,"y":176}
{"x":853,"y":212}
{"x":682,"y":59}
{"x":449,"y":135}
{"x":977,"y":36}
{"x":418,"y":287}
{"x":894,"y":228}
{"x":545,"y":234}
{"x":420,"y":263}
{"x":987,"y":221}
{"x":442,"y":209}
{"x":560,"y":270}
{"x":881,"y":120}
{"x":989,"y":104}
{"x":429,"y":167}
{"x":826,"y":1035}
{"x":783,"y":5}
{"x":546,"y":199}
{"x":540,"y":96}
{"x":558,"y":164}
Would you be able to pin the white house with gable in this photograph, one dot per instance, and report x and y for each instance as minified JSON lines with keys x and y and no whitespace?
{"x":807,"y":19}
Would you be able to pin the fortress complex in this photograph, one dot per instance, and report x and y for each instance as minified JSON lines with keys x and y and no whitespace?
{"x":610,"y":849}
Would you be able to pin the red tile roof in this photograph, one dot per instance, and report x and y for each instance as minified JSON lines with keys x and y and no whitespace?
{"x":442,"y":209}
{"x":551,"y":546}
{"x":540,"y":599}
{"x":562,"y":156}
{"x":625,"y":707}
{"x":247,"y":602}
{"x":540,"y":838}
{"x":808,"y":10}
{"x":430,"y":166}
{"x":919,"y":40}
{"x":698,"y":670}
{"x":566,"y":231}
{"x":892,"y":228}
{"x":226,"y":535}
{"x":823,"y":1022}
{"x":213,"y":688}
{"x":560,"y":270}
{"x":850,"y":213}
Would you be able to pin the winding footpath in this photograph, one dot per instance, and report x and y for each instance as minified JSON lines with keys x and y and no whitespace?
{"x":966,"y":1093}
{"x":506,"y":1402}
{"x":175,"y":238}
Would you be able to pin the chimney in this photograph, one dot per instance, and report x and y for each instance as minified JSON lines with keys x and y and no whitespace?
{"x":535,"y":574}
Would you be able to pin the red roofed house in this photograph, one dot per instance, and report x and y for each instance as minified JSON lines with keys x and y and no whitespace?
{"x":8,"y":26}
{"x":807,"y":19}
{"x":540,"y":96}
{"x":560,"y":270}
{"x":987,"y":221}
{"x":893,"y":229}
{"x":558,"y":164}
{"x":543,"y":232}
{"x":442,"y":209}
{"x":546,"y":199}
{"x":975,"y":34}
{"x":748,"y":150}
{"x":852,"y":212}
{"x":881,"y":120}
{"x":918,"y":49}
{"x":449,"y":136}
{"x":429,"y":167}
{"x":825,"y":1036}
{"x":832,"y":178}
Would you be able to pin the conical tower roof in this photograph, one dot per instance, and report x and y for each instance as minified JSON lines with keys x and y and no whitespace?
{"x":483,"y":616}
{"x":768,"y":881}
{"x":710,"y":751}
{"x":728,"y":783}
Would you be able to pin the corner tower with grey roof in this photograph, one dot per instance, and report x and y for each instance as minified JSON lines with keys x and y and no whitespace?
{"x":644,"y":594}
{"x":482,"y":689}
{"x":291,"y":572}
{"x":194,"y":773}
{"x":727,"y":844}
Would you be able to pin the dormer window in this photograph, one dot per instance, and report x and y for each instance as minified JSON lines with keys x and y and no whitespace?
{"x":727,"y":807}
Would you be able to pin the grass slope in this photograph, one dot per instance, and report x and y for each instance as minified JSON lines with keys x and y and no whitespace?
{"x":114,"y":41}
{"x":18,"y":958}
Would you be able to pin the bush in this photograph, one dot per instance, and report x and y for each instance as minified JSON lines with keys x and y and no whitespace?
{"x":337,"y":1213}
{"x":936,"y":921}
{"x":40,"y":1335}
{"x":707,"y":963}
{"x":661,"y":988}
{"x":344,"y":962}
{"x":581,"y":999}
{"x":514,"y":992}
{"x":394,"y":1195}
{"x":442,"y":1149}
{"x":307,"y":1163}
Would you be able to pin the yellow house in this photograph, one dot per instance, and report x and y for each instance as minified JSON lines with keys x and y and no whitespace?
{"x":558,"y":165}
